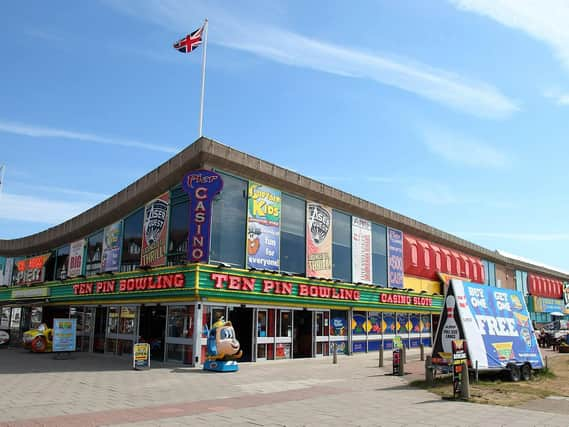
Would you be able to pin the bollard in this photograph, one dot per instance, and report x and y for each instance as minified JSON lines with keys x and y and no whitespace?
{"x":546,"y":367}
{"x":380,"y":356}
{"x":476,"y":373}
{"x":335,"y":354}
{"x":465,"y":390}
{"x":404,"y":354}
{"x":422,"y":351}
{"x":402,"y":362}
{"x":429,"y":377}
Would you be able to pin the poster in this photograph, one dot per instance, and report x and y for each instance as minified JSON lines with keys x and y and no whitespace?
{"x":31,"y":270}
{"x":394,"y":258}
{"x":415,"y":320}
{"x":111,"y":247}
{"x":402,"y":324}
{"x":141,"y":356}
{"x":375,"y":324}
{"x":388,"y":323}
{"x":359,"y":324}
{"x":361,"y":251}
{"x":64,"y":334}
{"x":263,"y":227}
{"x":318,"y":241}
{"x":75,"y":261}
{"x":155,"y":232}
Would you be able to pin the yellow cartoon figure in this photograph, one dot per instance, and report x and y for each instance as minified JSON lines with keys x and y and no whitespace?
{"x":223,"y":349}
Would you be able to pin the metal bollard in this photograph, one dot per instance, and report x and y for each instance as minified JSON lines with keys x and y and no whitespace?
{"x":476,"y":373}
{"x":380,"y":356}
{"x":465,"y":390}
{"x":429,"y":377}
{"x":335,"y":354}
{"x":546,"y":364}
{"x":404,"y":354}
{"x":402,"y":362}
{"x":422,"y":351}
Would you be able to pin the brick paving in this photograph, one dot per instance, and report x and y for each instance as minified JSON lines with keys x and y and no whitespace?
{"x":96,"y":390}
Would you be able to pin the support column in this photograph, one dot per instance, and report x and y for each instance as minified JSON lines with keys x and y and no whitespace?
{"x":196,"y":338}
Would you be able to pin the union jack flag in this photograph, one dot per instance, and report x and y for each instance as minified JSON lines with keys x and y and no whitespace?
{"x":190,"y":42}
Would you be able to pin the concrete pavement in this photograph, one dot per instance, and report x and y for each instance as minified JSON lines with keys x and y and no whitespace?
{"x":89,"y":389}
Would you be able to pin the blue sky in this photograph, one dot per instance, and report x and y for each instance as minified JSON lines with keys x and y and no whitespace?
{"x":451,"y":112}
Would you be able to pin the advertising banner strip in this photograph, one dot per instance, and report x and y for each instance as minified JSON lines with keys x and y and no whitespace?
{"x":155,"y":232}
{"x":75,"y":261}
{"x":394,"y":258}
{"x":361,"y":251}
{"x":263,"y":227}
{"x":318,"y":240}
{"x":112,"y":247}
{"x":201,"y":186}
{"x":64,"y":334}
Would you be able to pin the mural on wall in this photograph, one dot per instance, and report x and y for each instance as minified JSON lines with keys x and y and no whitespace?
{"x":111,"y":247}
{"x":388,"y":323}
{"x":375,"y":323}
{"x":318,"y":241}
{"x":75,"y":260}
{"x":394,"y":258}
{"x":201,"y":186}
{"x":263,"y":227}
{"x":361,"y":251}
{"x":155,"y":231}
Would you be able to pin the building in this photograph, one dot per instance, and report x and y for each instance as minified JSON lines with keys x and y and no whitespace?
{"x":298,"y":267}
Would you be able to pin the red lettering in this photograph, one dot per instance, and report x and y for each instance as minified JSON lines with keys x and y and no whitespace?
{"x":166,"y":281}
{"x":286,"y":288}
{"x":356,"y":295}
{"x":218,"y":279}
{"x":179,"y":280}
{"x":130,"y":285}
{"x":302,"y":290}
{"x":335,"y":294}
{"x":234,"y":283}
{"x":122,"y":285}
{"x":268,"y":285}
{"x":248,"y":283}
{"x":348,"y":294}
{"x":324,"y":292}
{"x":76,"y":289}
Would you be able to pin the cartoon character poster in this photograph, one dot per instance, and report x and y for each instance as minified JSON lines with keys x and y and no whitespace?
{"x":318,"y":241}
{"x":263,"y":227}
{"x":374,"y":323}
{"x":111,"y":247}
{"x":361,"y":251}
{"x":155,"y":231}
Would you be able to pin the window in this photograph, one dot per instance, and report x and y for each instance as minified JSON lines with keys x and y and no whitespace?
{"x":379,"y":254}
{"x":293,"y":235}
{"x":229,"y":222}
{"x":489,"y":273}
{"x":62,"y":256}
{"x":178,"y":236}
{"x":341,"y":246}
{"x":94,"y":251}
{"x":132,"y":241}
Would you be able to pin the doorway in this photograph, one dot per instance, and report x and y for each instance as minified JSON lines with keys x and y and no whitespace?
{"x":242,"y":320}
{"x":152,"y":328}
{"x":99,"y":333}
{"x":302,"y":339}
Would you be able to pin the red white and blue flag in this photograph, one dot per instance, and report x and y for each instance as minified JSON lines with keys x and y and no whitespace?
{"x":190,"y":42}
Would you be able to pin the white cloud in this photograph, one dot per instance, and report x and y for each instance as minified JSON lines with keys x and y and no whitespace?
{"x":543,"y":20}
{"x":41,"y":132}
{"x":287,"y":47}
{"x":67,"y":191}
{"x":432,"y":194}
{"x":463,"y":150}
{"x":34,"y":209}
{"x":559,"y":97}
{"x":529,"y":237}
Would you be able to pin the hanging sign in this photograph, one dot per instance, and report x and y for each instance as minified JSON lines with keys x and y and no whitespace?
{"x":318,"y":241}
{"x":111,"y":247}
{"x":31,"y":270}
{"x":155,"y":232}
{"x":394,"y":258}
{"x":201,"y":186}
{"x":75,"y":261}
{"x":263,"y":227}
{"x":361,"y":251}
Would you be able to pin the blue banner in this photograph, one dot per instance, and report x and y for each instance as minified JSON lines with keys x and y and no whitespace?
{"x":64,"y":334}
{"x":497,"y":325}
{"x":395,"y":258}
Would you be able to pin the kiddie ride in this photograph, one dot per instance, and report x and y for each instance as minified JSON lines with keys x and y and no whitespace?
{"x":39,"y":340}
{"x":223,"y":349}
{"x":496,"y":325}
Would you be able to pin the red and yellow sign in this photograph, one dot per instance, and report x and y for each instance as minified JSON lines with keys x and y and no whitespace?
{"x":31,"y":270}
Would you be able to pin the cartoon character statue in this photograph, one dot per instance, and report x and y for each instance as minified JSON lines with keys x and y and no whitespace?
{"x":223,"y":349}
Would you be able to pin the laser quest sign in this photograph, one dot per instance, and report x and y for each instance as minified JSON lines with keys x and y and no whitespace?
{"x":202,"y":186}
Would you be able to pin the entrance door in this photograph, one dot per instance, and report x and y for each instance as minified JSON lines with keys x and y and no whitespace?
{"x":152,"y":330}
{"x":100,"y":326}
{"x":302,"y":342}
{"x":242,"y":320}
{"x":321,"y":333}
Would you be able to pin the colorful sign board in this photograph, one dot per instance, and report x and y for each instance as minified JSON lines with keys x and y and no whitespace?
{"x":155,"y":232}
{"x":361,"y":251}
{"x":201,"y":186}
{"x":394,"y":258}
{"x":263,"y":227}
{"x":318,"y":241}
{"x":75,"y":260}
{"x":546,"y":305}
{"x":64,"y":334}
{"x":111,"y":247}
{"x":141,"y":355}
{"x":31,"y":270}
{"x":494,"y":321}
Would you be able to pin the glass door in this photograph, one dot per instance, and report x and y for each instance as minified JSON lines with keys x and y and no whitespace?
{"x":283,"y":340}
{"x":321,"y":337}
{"x":262,"y":335}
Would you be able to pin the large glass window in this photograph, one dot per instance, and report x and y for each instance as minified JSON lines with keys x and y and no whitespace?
{"x":293,"y":235}
{"x":62,"y":256}
{"x":132,"y":241}
{"x":229,"y":222}
{"x":94,"y":251}
{"x":178,"y":240}
{"x":341,"y":246}
{"x":379,"y":254}
{"x":489,"y":273}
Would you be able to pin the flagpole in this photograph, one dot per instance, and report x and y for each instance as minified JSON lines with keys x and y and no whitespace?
{"x":203,"y":77}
